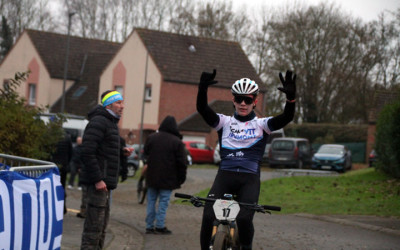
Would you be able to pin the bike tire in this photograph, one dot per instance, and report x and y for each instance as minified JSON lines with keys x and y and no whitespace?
{"x":221,"y":240}
{"x":141,"y":190}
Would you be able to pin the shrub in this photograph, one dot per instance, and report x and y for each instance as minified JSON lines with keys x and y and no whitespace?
{"x":388,"y":139}
{"x":21,"y":132}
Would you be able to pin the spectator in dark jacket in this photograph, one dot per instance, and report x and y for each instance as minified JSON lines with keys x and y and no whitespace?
{"x":75,"y":165}
{"x":166,"y":170}
{"x":101,"y":158}
{"x":124,"y":153}
{"x":62,"y":157}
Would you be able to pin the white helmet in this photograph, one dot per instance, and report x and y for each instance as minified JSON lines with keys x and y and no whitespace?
{"x":245,"y":86}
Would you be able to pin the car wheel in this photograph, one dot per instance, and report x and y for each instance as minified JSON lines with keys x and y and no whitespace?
{"x":131,"y":170}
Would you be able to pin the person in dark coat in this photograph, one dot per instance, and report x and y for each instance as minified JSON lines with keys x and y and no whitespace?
{"x":62,"y":157}
{"x":166,"y":170}
{"x":124,"y":153}
{"x":101,"y":161}
{"x":78,"y":164}
{"x":75,"y":165}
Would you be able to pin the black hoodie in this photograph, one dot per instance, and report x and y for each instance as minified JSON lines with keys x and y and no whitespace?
{"x":166,"y":157}
{"x":101,"y":148}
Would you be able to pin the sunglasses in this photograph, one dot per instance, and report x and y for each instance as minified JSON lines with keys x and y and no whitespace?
{"x":239,"y":99}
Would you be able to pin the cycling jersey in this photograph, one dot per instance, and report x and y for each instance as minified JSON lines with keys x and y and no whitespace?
{"x":242,"y":138}
{"x":242,"y":143}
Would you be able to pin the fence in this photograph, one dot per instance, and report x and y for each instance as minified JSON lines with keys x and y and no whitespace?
{"x":27,"y":166}
{"x":31,"y":204}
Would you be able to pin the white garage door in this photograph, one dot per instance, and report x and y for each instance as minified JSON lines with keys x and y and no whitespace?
{"x":194,"y":138}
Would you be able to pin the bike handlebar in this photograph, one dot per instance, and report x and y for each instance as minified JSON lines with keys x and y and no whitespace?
{"x":253,"y":206}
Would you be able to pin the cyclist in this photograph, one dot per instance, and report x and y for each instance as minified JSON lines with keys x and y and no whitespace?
{"x":242,"y":138}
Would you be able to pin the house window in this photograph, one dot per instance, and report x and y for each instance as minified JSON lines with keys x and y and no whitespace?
{"x":147,"y":93}
{"x":120,"y":89}
{"x":32,"y":94}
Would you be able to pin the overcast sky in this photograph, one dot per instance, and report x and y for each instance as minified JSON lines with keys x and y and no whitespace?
{"x":365,"y":9}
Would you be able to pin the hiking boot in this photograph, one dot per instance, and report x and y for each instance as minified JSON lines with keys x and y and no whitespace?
{"x":163,"y":230}
{"x":150,"y":231}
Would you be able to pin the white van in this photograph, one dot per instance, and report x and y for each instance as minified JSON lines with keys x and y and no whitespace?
{"x":75,"y":124}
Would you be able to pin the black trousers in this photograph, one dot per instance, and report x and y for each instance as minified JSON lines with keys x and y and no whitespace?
{"x":246,"y":187}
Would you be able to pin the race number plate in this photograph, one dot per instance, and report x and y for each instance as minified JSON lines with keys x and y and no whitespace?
{"x":226,"y":209}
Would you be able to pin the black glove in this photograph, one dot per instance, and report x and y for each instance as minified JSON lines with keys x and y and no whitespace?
{"x":124,"y":177}
{"x":207,"y":79}
{"x":289,"y":85}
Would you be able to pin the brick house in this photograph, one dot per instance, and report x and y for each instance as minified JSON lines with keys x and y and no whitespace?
{"x":381,"y":98}
{"x":159,"y":69}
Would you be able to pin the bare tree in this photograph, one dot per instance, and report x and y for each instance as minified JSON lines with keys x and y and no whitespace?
{"x":183,"y":20}
{"x":24,"y":14}
{"x":332,"y":55}
{"x":214,"y":19}
{"x":387,"y":72}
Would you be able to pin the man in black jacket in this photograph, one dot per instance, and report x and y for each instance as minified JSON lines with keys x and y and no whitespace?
{"x":62,"y":157}
{"x":166,"y":170}
{"x":101,"y":157}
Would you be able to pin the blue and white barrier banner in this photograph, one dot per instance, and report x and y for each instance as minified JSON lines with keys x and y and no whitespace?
{"x":31,"y":210}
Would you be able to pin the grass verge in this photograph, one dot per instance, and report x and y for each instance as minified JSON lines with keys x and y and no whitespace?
{"x":361,"y":192}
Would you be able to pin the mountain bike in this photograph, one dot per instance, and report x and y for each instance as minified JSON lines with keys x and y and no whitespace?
{"x":225,"y":233}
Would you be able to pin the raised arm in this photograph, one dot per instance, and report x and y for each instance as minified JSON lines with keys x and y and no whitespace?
{"x":289,"y":88}
{"x":209,"y":115}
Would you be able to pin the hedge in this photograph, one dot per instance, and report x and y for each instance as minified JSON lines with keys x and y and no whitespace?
{"x":328,"y":133}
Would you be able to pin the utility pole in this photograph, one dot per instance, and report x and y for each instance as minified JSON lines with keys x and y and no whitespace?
{"x":70,"y":14}
{"x":142,"y":115}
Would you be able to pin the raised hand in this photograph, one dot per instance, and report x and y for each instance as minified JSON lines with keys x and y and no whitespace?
{"x":207,"y":79}
{"x":289,"y":85}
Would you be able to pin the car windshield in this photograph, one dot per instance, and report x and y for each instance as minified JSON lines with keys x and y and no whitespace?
{"x":331,"y":150}
{"x":282,"y":145}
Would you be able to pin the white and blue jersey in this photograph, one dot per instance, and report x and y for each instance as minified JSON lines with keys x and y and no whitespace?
{"x":242,"y":144}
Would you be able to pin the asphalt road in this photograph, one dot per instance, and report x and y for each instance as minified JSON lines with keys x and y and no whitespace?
{"x":299,"y":231}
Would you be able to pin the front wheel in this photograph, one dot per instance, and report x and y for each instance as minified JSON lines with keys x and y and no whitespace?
{"x":220,"y":241}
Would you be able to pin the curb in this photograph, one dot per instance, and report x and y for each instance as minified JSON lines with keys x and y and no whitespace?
{"x":350,"y":223}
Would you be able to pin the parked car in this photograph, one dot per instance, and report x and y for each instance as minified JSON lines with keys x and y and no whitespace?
{"x":266,"y":153}
{"x":200,"y":152}
{"x":275,"y":134}
{"x":334,"y":157}
{"x":372,"y":157}
{"x":289,"y":151}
